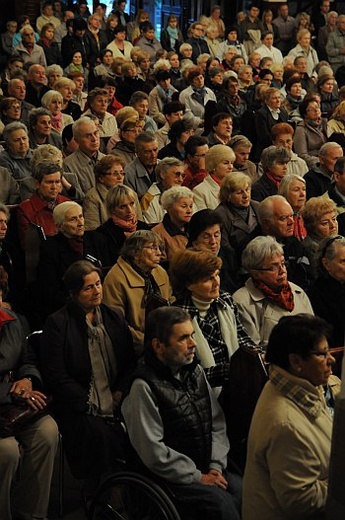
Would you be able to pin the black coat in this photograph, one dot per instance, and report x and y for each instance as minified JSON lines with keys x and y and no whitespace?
{"x":316,"y":183}
{"x":91,"y":443}
{"x":327,"y":297}
{"x":263,"y":124}
{"x":34,"y":96}
{"x":263,"y":188}
{"x":166,"y":44}
{"x":56,"y":256}
{"x":52,"y":53}
{"x":116,"y":237}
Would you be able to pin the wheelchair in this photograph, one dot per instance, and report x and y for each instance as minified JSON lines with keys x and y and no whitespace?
{"x":128,"y":495}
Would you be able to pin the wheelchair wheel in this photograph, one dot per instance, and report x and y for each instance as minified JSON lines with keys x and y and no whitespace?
{"x":130,"y":496}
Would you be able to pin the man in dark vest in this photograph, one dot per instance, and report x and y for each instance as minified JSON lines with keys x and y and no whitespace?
{"x":175,"y":423}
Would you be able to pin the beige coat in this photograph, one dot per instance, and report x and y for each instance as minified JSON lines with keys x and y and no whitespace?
{"x":286,"y":475}
{"x":206,"y":194}
{"x":258,"y":316}
{"x":123,"y":289}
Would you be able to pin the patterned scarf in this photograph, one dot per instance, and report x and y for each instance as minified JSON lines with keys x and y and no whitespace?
{"x":151,"y":286}
{"x":128,"y":226}
{"x":284,"y":298}
{"x":57,"y":122}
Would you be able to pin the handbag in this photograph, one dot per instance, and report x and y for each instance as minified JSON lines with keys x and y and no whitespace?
{"x":14,"y":417}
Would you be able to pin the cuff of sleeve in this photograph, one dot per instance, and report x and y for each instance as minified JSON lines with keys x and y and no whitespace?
{"x":197,"y":476}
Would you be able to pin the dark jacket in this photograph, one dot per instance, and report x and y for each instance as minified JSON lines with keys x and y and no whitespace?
{"x":127,"y":88}
{"x":56,"y":255}
{"x":263,"y":124}
{"x":263,"y":188}
{"x":166,"y":44}
{"x":184,"y":406}
{"x":199,"y":46}
{"x":91,"y":443}
{"x":170,"y":150}
{"x":317,"y":182}
{"x":34,"y":96}
{"x":116,"y":237}
{"x":73,"y":110}
{"x":52,"y":53}
{"x":327,"y":297}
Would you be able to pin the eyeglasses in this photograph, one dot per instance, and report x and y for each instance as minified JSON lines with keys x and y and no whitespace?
{"x":274,"y":268}
{"x":180,"y":174}
{"x":320,"y":353}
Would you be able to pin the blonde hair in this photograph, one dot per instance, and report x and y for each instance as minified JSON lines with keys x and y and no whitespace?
{"x":216,"y":154}
{"x":232,"y":182}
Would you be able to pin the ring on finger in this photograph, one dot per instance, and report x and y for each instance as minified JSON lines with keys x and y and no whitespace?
{"x":32,"y":399}
{"x":22,"y":391}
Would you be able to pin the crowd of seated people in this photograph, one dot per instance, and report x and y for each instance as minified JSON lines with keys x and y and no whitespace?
{"x":202,"y":170}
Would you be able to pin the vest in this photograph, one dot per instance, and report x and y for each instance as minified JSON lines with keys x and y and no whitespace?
{"x":185,"y":408}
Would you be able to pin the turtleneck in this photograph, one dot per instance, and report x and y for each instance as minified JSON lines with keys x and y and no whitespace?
{"x":202,"y":306}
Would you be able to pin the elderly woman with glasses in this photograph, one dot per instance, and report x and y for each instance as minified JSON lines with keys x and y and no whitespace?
{"x":267,"y":295}
{"x":108,"y":173}
{"x":137,"y":282}
{"x":289,"y":442}
{"x":327,"y":292}
{"x":320,"y":219}
{"x":10,"y":111}
{"x":129,"y":129}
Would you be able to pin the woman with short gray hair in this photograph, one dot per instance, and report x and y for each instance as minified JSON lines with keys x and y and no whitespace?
{"x":70,"y":244}
{"x":274,"y":161}
{"x":52,"y":101}
{"x":136,"y":281}
{"x":178,"y":203}
{"x":267,"y":295}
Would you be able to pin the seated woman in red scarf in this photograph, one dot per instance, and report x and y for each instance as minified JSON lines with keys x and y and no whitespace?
{"x":267,"y":295}
{"x":121,"y":206}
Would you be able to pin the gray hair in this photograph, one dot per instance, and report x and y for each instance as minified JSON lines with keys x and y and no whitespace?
{"x":202,"y":58}
{"x":327,"y":147}
{"x":50,"y":96}
{"x":53,"y":68}
{"x":168,"y":162}
{"x":25,"y":28}
{"x":79,"y":122}
{"x":143,"y":137}
{"x":117,"y":194}
{"x":47,"y":152}
{"x":273,"y":155}
{"x":258,"y":250}
{"x":135,"y":243}
{"x":284,"y":185}
{"x":161,"y":64}
{"x":328,"y":249}
{"x":240,"y":140}
{"x":172,"y":195}
{"x":45,"y":168}
{"x":59,"y":213}
{"x":265,"y":210}
{"x":35,"y":113}
{"x":12,"y":127}
{"x":5,"y":210}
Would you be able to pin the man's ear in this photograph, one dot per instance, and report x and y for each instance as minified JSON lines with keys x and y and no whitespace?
{"x":295,"y":363}
{"x":158,"y":346}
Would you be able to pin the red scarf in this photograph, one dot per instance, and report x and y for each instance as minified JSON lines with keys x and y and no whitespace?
{"x":299,"y":230}
{"x":216,"y":179}
{"x":284,"y":298}
{"x":276,"y":180}
{"x":5,"y":318}
{"x":128,"y":226}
